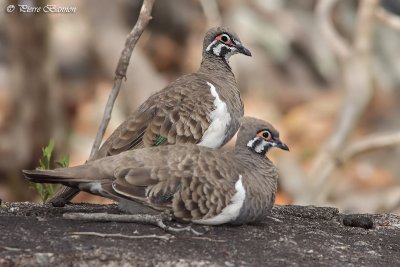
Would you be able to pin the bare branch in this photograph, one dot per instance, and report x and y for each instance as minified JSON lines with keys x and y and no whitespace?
{"x":370,"y":143}
{"x":364,"y":26}
{"x":323,"y":14}
{"x":120,"y":73}
{"x":209,"y":239}
{"x":358,"y":85}
{"x":157,"y":220}
{"x":106,"y":117}
{"x":365,"y":145}
{"x":388,"y":18}
{"x":211,"y":12}
{"x":162,"y":237}
{"x":106,"y":217}
{"x":133,"y":37}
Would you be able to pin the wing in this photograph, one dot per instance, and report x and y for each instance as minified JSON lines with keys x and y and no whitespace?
{"x":196,"y":183}
{"x":177,"y":114}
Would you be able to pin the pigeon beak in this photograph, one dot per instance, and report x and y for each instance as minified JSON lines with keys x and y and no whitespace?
{"x":281,"y":145}
{"x":241,"y":49}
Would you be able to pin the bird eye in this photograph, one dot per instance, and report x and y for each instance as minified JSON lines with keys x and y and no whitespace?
{"x":224,"y":38}
{"x":266,"y":135}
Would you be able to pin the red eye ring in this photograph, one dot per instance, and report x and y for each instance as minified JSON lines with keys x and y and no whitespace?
{"x":224,"y":38}
{"x":266,"y":135}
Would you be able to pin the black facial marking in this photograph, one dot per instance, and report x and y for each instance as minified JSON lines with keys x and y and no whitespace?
{"x":265,"y":149}
{"x":256,"y":143}
{"x":224,"y":51}
{"x":260,"y":143}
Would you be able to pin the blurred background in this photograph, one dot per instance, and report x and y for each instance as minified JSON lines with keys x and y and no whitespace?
{"x":326,"y":73}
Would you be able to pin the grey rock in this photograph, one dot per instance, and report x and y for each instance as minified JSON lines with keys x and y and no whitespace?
{"x":291,"y":236}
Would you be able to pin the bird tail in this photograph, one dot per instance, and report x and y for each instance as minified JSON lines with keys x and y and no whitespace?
{"x":67,"y":176}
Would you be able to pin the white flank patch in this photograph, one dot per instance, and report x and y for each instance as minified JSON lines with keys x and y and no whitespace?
{"x":93,"y":187}
{"x":220,"y":119}
{"x":230,"y":212}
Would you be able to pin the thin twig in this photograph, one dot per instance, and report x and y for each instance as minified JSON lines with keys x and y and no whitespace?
{"x":388,"y":18}
{"x":11,"y":249}
{"x":338,"y":43}
{"x":370,"y":143}
{"x":365,"y":26}
{"x":354,"y":149}
{"x":162,"y":237}
{"x":209,"y":239}
{"x":358,"y":85}
{"x":120,"y":73}
{"x":211,"y":12}
{"x":275,"y":219}
{"x":157,"y":220}
{"x":106,"y":217}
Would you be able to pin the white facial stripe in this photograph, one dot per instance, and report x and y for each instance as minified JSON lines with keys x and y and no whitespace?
{"x":211,"y":45}
{"x":251,"y":142}
{"x":220,"y":119}
{"x":260,"y":147}
{"x":217,"y":49}
{"x":231,"y":211}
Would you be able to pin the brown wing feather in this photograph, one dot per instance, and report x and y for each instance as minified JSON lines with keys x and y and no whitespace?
{"x":180,"y":113}
{"x":197,"y":182}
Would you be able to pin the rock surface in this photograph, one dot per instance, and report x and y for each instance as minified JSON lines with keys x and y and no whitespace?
{"x":37,"y":235}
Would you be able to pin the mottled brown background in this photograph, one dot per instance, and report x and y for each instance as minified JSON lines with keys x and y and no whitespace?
{"x":56,"y":71}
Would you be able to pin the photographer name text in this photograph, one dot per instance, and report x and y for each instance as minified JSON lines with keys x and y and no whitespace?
{"x":41,"y":9}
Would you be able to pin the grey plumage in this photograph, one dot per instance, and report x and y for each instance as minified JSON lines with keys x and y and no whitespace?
{"x":183,"y":111}
{"x":198,"y":184}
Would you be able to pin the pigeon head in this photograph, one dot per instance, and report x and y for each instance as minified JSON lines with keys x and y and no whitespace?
{"x":259,"y":136}
{"x":222,"y":42}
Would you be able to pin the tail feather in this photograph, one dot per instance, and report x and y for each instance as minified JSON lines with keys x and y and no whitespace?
{"x":84,"y":177}
{"x":66,"y":176}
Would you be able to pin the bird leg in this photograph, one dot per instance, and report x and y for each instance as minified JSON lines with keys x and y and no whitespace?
{"x":63,"y":196}
{"x":157,"y":220}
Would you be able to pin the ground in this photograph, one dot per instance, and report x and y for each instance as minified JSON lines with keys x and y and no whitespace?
{"x":37,"y":235}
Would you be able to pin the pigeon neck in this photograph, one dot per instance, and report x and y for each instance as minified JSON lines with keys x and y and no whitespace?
{"x":214,"y":65}
{"x":242,"y":149}
{"x":251,"y":160}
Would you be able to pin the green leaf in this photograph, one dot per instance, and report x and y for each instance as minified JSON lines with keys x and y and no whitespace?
{"x":46,"y":191}
{"x":44,"y":162}
{"x":64,"y":161}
